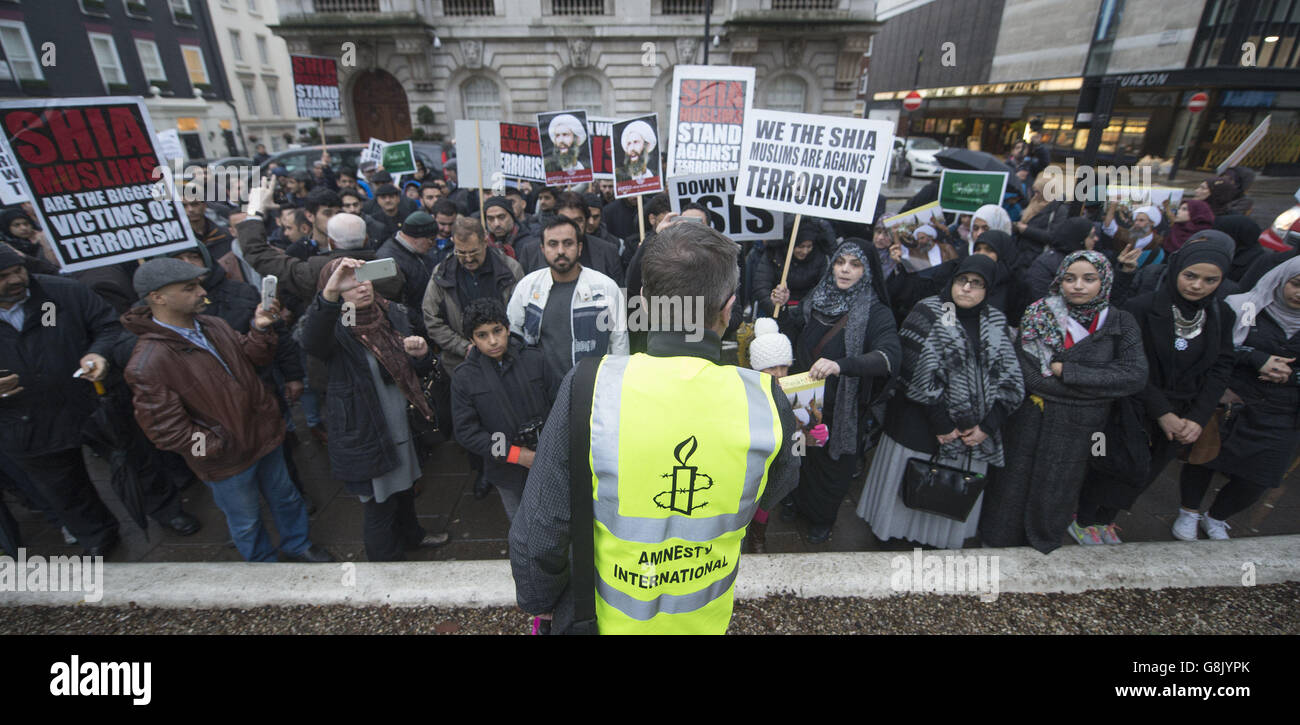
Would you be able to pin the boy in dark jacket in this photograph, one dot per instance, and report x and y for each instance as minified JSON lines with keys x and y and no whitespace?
{"x":500,"y":396}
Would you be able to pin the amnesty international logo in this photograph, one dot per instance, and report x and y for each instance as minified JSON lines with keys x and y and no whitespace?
{"x":687,"y":482}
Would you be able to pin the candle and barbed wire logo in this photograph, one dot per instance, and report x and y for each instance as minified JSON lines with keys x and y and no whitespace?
{"x":687,"y":482}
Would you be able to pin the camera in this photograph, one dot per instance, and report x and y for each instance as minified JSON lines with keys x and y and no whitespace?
{"x":529,"y":433}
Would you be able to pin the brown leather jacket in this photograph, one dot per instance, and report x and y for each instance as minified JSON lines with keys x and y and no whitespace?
{"x":181,"y":390}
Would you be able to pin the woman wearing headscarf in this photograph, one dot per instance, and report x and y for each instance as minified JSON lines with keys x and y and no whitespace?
{"x":1259,"y":442}
{"x":1245,"y":235}
{"x":1077,"y":354}
{"x":808,"y":263}
{"x":1242,"y":178}
{"x":1069,"y":236}
{"x":1218,"y":193}
{"x":1193,"y":216}
{"x":959,"y":383}
{"x":986,"y":218}
{"x":848,"y":339}
{"x":374,"y":368}
{"x":1187,"y":339}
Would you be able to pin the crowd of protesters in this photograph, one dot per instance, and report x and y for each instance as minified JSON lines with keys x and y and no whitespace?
{"x":999,"y":343}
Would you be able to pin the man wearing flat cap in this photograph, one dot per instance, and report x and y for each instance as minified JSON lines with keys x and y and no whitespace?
{"x":197,"y":393}
{"x":567,"y":137}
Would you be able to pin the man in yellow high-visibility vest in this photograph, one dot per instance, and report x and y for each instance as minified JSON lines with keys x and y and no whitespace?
{"x":673,"y":452}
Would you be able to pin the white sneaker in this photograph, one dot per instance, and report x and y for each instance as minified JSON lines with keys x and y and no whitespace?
{"x":1214,"y":528}
{"x":1185,"y":526}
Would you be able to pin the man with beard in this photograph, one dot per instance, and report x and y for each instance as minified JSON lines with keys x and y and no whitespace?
{"x":503,"y":228}
{"x":638,"y":143}
{"x":45,"y":409}
{"x":605,"y":187}
{"x":567,"y":137}
{"x":597,"y":253}
{"x":390,"y":208}
{"x":210,"y":235}
{"x":559,"y":306}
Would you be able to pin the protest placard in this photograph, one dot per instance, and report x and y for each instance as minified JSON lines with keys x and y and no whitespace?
{"x":963,"y":192}
{"x":924,"y":214}
{"x":566,"y":153}
{"x":717,"y":193}
{"x":826,"y":166}
{"x":92,"y":168}
{"x":521,"y":153}
{"x":635,"y":158}
{"x":1247,"y":145}
{"x":600,"y":136}
{"x":710,"y":105}
{"x":478,"y":166}
{"x":169,"y":145}
{"x":398,"y":158}
{"x":12,"y":190}
{"x":316,"y":86}
{"x":1135,"y":196}
{"x":374,"y":151}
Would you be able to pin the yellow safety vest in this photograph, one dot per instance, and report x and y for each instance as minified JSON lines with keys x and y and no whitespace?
{"x":680,"y":452}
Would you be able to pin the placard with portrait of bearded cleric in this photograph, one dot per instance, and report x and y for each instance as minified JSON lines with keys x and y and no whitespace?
{"x":92,"y":169}
{"x":566,"y":155}
{"x":636,"y":156}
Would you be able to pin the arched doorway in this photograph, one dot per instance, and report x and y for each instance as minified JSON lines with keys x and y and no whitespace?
{"x":380,"y":106}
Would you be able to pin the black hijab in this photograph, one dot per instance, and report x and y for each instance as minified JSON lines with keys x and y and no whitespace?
{"x":1069,"y":234}
{"x":973,"y":264}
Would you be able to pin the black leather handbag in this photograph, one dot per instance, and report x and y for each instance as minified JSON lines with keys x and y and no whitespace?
{"x":941,"y":490}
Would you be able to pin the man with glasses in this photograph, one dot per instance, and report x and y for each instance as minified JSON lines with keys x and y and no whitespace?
{"x":473,"y":271}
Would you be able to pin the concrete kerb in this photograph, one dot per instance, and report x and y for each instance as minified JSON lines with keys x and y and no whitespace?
{"x":1157,"y":565}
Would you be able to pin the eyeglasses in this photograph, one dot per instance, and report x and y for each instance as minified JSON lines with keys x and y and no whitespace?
{"x":466,"y":255}
{"x":972,"y":282}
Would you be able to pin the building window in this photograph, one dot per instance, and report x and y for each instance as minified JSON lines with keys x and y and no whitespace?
{"x":137,"y":9}
{"x":236,"y":47}
{"x":110,"y":64}
{"x":252,"y":7}
{"x":684,"y":7}
{"x":581,"y":92}
{"x":250,"y":99}
{"x":18,"y":49}
{"x":468,"y":7}
{"x":181,"y":11}
{"x":1271,"y":28}
{"x":94,"y":7}
{"x":194,"y":65}
{"x":577,"y":7}
{"x":150,"y":60}
{"x":481,"y":99}
{"x":273,"y":92}
{"x":805,"y":4}
{"x":787,"y":93}
{"x":263,"y":54}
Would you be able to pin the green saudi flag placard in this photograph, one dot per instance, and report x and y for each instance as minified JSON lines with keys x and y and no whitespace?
{"x":962,"y":192}
{"x":398,"y":158}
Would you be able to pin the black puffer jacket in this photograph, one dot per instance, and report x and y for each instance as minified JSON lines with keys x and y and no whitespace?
{"x":803,"y":276}
{"x":48,"y":414}
{"x":360,"y":447}
{"x":487,"y":398}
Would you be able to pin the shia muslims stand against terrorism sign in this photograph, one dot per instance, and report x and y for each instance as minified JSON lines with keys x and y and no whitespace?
{"x":635,"y":156}
{"x":963,"y":192}
{"x":316,"y":86}
{"x":92,"y":168}
{"x":521,"y":153}
{"x":566,"y":151}
{"x":717,"y":193}
{"x":825,"y":166}
{"x":710,"y":105}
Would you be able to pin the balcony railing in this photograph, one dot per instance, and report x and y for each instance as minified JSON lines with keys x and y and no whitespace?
{"x":805,"y":4}
{"x":346,"y":6}
{"x":468,"y":7}
{"x":685,"y":7}
{"x":577,"y":7}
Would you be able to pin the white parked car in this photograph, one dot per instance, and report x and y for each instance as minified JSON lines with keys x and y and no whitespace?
{"x":919,"y":155}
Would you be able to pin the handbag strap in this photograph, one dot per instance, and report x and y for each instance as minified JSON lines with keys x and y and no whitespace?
{"x":830,"y":334}
{"x":581,"y":525}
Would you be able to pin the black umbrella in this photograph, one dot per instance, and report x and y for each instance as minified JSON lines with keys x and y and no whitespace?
{"x":968,"y":160}
{"x":10,"y":538}
{"x":110,"y":438}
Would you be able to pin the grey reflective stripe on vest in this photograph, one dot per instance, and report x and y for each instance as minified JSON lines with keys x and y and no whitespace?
{"x":664,"y":603}
{"x":604,"y":459}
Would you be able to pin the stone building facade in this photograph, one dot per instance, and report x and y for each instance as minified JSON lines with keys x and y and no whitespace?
{"x":512,"y":59}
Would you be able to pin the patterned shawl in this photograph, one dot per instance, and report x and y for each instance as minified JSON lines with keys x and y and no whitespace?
{"x":1043,"y":327}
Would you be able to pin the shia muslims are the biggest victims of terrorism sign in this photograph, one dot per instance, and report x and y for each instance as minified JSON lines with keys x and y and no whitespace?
{"x":826,"y":166}
{"x":93,"y":172}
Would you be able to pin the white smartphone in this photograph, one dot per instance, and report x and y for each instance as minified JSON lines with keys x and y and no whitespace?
{"x":268,"y":290}
{"x":377,"y":269}
{"x":254,"y":201}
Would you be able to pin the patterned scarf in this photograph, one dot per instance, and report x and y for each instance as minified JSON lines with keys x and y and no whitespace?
{"x":1043,"y":327}
{"x":938,"y":366}
{"x":374,"y":331}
